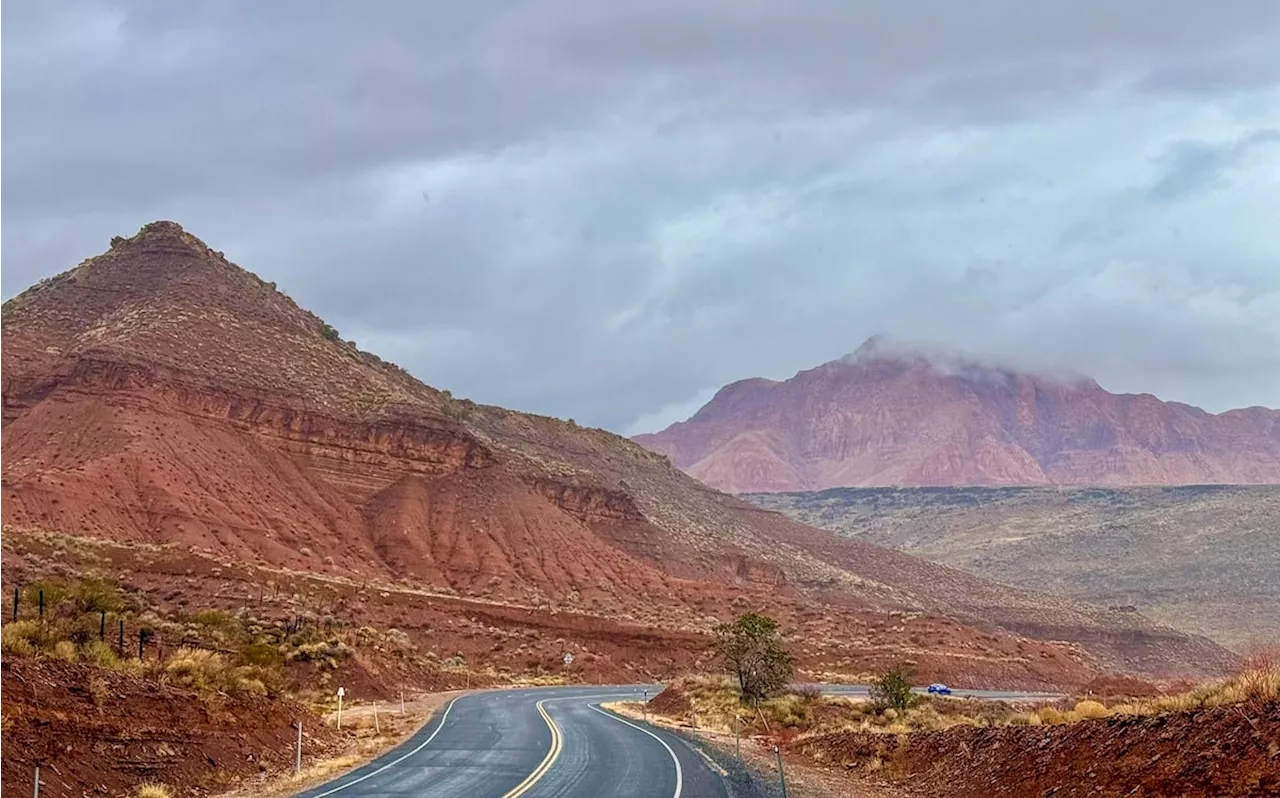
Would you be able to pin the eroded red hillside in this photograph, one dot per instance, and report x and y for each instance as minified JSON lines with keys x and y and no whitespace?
{"x":158,"y":394}
{"x":883,"y":418}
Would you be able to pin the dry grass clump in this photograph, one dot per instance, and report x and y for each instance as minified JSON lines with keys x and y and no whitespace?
{"x":325,"y":767}
{"x":65,"y":650}
{"x":325,"y":653}
{"x":1052,"y":716}
{"x":208,"y":671}
{"x":1256,"y":683}
{"x":714,"y":702}
{"x":100,"y":653}
{"x":30,"y":638}
{"x":1090,"y":710}
{"x":1087,"y":709}
{"x":23,"y":638}
{"x":152,"y":789}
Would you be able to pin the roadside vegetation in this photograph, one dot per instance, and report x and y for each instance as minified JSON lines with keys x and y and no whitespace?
{"x":1217,"y":738}
{"x":752,"y":651}
{"x":754,"y":696}
{"x":892,"y":690}
{"x":211,"y":651}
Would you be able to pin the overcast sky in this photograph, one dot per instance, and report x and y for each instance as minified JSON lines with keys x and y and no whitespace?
{"x":607,"y":210}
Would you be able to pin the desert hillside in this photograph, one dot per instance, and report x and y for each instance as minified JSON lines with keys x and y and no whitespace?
{"x":884,"y":417}
{"x":1202,"y":558}
{"x":158,"y":395}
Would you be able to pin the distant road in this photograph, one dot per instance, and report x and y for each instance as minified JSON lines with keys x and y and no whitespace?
{"x":863,"y":691}
{"x":551,"y":741}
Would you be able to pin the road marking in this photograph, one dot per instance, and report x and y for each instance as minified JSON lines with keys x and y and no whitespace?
{"x":547,"y":761}
{"x":714,"y":765}
{"x":532,"y":778}
{"x":420,"y":746}
{"x":679,"y":774}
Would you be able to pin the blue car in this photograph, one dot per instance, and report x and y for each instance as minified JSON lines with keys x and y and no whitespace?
{"x":939,"y":689}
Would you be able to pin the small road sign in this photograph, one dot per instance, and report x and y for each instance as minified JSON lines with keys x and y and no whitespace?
{"x":568,"y":659}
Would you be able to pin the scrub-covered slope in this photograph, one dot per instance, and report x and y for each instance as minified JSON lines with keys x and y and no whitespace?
{"x":159,"y":394}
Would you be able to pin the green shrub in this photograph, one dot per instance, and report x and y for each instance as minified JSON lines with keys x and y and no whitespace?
{"x":260,"y":653}
{"x":329,"y":333}
{"x":94,"y":595}
{"x":752,"y":651}
{"x":218,"y":621}
{"x":326,"y":651}
{"x":55,"y":593}
{"x":893,"y":690}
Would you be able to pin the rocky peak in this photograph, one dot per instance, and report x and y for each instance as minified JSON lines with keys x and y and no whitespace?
{"x":896,"y":414}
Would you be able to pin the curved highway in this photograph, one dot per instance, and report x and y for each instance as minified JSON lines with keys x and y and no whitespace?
{"x":553,"y":741}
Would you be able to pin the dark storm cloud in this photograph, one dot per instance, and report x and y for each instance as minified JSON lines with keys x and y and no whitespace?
{"x":607,"y":210}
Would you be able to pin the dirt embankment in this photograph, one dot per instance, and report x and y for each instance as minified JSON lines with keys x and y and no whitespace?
{"x":1229,"y":751}
{"x":95,"y":732}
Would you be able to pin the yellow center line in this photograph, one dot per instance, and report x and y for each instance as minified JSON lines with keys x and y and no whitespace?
{"x":547,"y":761}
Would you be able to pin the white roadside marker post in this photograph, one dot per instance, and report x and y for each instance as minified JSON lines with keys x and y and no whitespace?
{"x":341,"y":692}
{"x":402,"y":702}
{"x":376,"y":728}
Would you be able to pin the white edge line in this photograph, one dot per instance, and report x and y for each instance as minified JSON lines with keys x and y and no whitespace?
{"x":711,"y":762}
{"x":420,"y":746}
{"x":679,"y":774}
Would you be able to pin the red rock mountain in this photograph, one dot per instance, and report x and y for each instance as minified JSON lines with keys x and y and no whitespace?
{"x":882,"y":418}
{"x":161,"y":398}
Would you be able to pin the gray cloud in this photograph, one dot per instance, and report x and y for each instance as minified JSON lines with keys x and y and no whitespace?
{"x":605,"y":211}
{"x":1195,"y":166}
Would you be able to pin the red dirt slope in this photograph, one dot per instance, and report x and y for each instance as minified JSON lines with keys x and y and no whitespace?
{"x":158,"y":394}
{"x":99,"y":732}
{"x":1223,"y":751}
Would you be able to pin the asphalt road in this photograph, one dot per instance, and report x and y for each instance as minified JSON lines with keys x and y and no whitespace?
{"x":551,"y":741}
{"x":863,"y":691}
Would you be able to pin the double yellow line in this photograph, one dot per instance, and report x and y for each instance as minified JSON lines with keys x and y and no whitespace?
{"x":556,"y":744}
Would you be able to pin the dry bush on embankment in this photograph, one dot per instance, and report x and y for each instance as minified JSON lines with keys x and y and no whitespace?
{"x":1219,"y":751}
{"x":92,"y":729}
{"x":1220,"y":739}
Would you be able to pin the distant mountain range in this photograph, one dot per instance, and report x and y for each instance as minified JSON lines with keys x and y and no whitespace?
{"x":884,"y":417}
